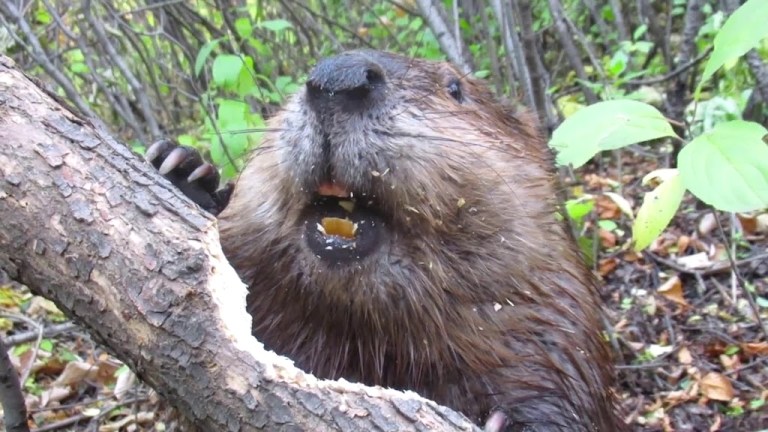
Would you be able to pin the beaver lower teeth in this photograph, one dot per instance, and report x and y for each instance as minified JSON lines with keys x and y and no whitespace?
{"x":333,"y":226}
{"x":339,"y":230}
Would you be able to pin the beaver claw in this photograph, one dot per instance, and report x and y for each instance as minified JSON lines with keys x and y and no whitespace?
{"x":186,"y":169}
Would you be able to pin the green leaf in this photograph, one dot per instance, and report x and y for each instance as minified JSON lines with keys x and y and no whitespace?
{"x":640,"y":32}
{"x":226,"y":69}
{"x":727,"y":167}
{"x":43,"y":17}
{"x":659,"y":206}
{"x":276,"y":25}
{"x":203,"y":55}
{"x":79,"y":68}
{"x":607,"y":224}
{"x":577,"y":209}
{"x":483,"y":74}
{"x":243,"y":27}
{"x":217,"y":152}
{"x":187,"y":140}
{"x":618,"y":63}
{"x":246,"y":81}
{"x":46,"y":345}
{"x":18,"y":350}
{"x":605,"y":126}
{"x":741,"y":32}
{"x":231,"y":112}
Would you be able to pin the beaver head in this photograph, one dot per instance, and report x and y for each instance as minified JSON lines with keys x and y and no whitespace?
{"x":397,"y":227}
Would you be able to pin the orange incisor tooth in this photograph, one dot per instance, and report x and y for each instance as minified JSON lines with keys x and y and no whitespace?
{"x":339,"y":227}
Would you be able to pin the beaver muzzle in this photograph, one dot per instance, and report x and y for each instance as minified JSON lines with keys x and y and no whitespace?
{"x":341,"y":228}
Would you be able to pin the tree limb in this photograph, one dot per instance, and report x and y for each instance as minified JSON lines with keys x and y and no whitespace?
{"x":434,"y":13}
{"x":90,"y":226}
{"x":11,"y":398}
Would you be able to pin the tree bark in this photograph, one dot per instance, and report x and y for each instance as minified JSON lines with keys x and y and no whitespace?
{"x":89,"y":225}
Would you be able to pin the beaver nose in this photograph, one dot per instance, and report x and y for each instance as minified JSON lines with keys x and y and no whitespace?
{"x":349,"y":81}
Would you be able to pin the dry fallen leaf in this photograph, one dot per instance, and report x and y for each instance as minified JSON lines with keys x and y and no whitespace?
{"x":607,"y":208}
{"x":54,"y":394}
{"x":124,"y":384}
{"x":607,"y":266}
{"x":607,"y":238}
{"x":696,"y":261}
{"x":631,"y":256}
{"x":127,"y":421}
{"x":672,"y":289}
{"x":762,"y":223}
{"x":621,"y":202}
{"x":730,"y":362}
{"x":677,"y":397}
{"x":717,"y":387}
{"x":74,"y":372}
{"x":748,"y":223}
{"x":682,"y":244}
{"x":707,"y":224}
{"x":684,"y":356}
{"x":755,"y":348}
{"x":717,"y":424}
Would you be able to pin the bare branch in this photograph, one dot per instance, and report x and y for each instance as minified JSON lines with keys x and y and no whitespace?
{"x":434,"y":14}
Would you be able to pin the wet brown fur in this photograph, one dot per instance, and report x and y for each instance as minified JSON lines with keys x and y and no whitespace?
{"x":477,"y":299}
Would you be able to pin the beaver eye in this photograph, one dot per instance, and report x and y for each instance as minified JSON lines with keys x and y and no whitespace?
{"x":454,"y":89}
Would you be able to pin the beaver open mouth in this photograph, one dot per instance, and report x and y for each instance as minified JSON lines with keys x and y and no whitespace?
{"x":341,"y":228}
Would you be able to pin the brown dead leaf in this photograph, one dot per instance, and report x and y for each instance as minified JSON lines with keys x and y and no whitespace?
{"x":755,"y":348}
{"x":105,"y":371}
{"x":748,"y":223}
{"x":594,"y":181}
{"x":672,"y":289}
{"x":762,"y":223}
{"x":716,"y":386}
{"x":52,"y":366}
{"x":40,"y":307}
{"x":719,"y":253}
{"x":607,"y":238}
{"x":662,"y":244}
{"x":607,"y":208}
{"x":54,"y":394}
{"x":74,"y":373}
{"x":684,"y":356}
{"x":677,"y":397}
{"x":607,"y":266}
{"x":730,"y":362}
{"x":621,"y":325}
{"x":717,"y":424}
{"x":127,"y":421}
{"x":632,"y":256}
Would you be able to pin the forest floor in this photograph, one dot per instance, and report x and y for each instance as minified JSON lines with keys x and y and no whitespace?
{"x":687,"y":335}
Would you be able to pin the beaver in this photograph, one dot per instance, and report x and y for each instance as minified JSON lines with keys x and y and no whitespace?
{"x":397,"y":227}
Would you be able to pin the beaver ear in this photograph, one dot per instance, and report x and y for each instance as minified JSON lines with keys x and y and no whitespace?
{"x":455,"y":90}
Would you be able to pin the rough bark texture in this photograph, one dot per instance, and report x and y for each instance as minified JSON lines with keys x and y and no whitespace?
{"x":89,"y":225}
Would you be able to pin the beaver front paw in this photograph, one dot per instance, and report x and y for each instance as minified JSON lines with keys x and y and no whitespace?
{"x":186,"y":169}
